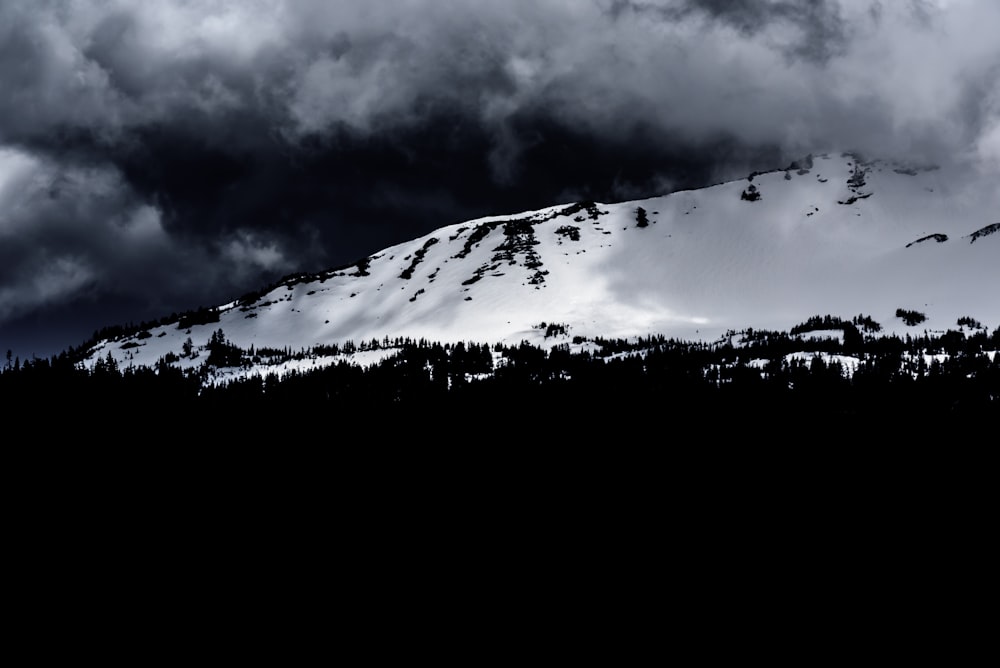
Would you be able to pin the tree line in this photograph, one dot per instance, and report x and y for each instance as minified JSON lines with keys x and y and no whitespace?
{"x":764,"y":375}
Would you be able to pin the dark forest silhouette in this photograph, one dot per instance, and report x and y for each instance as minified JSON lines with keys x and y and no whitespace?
{"x":749,"y":374}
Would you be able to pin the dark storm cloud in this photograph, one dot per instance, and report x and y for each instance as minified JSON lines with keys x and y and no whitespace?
{"x":193,"y":149}
{"x":817,"y":28}
{"x":76,"y":230}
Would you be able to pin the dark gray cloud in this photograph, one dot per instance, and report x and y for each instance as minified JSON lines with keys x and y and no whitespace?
{"x":192,"y":149}
{"x":811,"y":29}
{"x":79,"y":231}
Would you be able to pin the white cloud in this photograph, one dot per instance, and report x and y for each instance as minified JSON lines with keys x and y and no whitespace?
{"x":988,"y":146}
{"x":16,"y":169}
{"x":249,"y":253}
{"x":143,"y":226}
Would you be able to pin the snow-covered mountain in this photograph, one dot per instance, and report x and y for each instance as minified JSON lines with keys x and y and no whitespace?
{"x":829,"y":234}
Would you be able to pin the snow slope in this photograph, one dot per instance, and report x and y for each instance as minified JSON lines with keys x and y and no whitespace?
{"x":832,"y":235}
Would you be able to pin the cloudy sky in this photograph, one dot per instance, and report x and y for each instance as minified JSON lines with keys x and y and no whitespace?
{"x":160,"y":155}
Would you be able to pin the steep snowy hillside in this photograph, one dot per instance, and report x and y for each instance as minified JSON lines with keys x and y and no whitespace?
{"x":830,"y":235}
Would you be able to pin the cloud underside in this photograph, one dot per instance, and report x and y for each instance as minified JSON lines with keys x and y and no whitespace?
{"x":188,"y":149}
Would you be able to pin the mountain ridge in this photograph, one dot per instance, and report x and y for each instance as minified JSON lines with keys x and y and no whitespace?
{"x":830,"y":234}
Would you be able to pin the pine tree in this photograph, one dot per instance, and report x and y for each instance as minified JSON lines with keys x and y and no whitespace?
{"x":641,"y":219}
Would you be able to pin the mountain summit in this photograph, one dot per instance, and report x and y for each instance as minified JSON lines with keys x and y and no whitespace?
{"x":829,"y":234}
